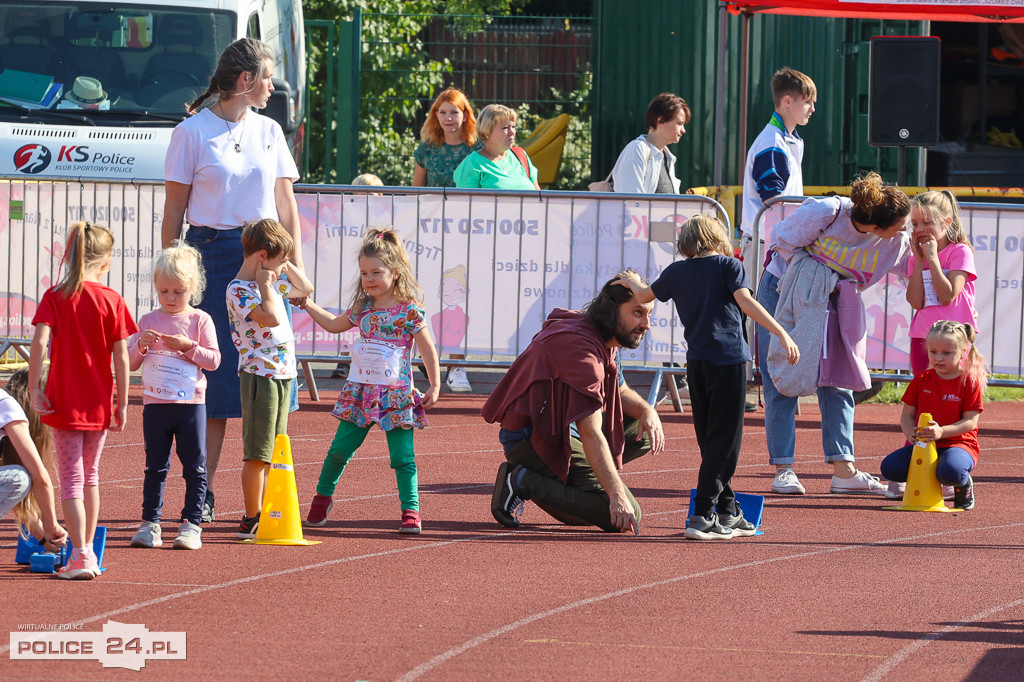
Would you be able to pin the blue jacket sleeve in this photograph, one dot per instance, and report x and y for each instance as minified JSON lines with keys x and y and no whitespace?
{"x":770,"y":172}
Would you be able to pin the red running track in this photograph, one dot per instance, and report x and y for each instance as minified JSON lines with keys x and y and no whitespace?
{"x":835,"y":589}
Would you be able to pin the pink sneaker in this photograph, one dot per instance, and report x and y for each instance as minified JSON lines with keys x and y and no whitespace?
{"x":410,"y":522}
{"x":318,"y":510}
{"x":84,"y":567}
{"x":92,"y":562}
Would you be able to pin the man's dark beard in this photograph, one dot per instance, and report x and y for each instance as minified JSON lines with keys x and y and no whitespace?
{"x":624,"y":335}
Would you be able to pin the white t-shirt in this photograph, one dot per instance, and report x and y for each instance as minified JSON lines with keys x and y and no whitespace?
{"x":263,"y":351}
{"x":229,"y":188}
{"x":10,"y":411}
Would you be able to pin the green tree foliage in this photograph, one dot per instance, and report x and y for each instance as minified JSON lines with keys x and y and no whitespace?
{"x":397,"y":75}
{"x":393,"y":66}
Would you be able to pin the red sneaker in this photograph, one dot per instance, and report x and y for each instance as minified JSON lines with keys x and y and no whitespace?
{"x":410,"y":522}
{"x":318,"y":510}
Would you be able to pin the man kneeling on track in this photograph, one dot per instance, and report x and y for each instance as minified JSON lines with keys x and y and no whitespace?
{"x":569,"y":421}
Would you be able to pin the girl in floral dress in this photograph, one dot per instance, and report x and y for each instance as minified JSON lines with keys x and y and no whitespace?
{"x":387,"y":309}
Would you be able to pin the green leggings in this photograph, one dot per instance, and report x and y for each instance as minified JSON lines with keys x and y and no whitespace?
{"x":403,"y":460}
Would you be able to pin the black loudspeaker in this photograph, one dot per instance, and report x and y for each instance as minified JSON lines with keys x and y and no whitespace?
{"x":903,"y":104}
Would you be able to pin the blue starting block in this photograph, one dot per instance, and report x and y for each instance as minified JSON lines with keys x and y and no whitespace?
{"x":752,"y":506}
{"x":30,"y":551}
{"x":27,"y":546}
{"x":48,"y":563}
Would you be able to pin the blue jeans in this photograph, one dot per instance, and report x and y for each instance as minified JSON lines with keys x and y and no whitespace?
{"x":836,"y":404}
{"x":15,"y":485}
{"x":955,"y":464}
{"x":183,"y":425}
{"x":222,"y":255}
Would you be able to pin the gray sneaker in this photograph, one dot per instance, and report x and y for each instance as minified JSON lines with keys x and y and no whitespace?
{"x":861,"y":483}
{"x":741,"y":528}
{"x":190,"y":536}
{"x":706,"y":528}
{"x":147,"y":536}
{"x":208,"y":513}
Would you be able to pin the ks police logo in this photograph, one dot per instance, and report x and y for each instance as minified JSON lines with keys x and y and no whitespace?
{"x":32,"y":159}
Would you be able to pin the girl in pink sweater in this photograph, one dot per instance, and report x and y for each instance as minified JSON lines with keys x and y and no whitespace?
{"x":176,"y":344}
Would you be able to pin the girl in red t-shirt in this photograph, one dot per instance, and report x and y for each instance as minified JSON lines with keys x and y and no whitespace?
{"x":84,"y":323}
{"x":951,"y":391}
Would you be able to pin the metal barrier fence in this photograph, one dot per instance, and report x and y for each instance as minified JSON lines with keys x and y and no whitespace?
{"x":996,"y":232}
{"x":731,"y":196}
{"x":492,"y":264}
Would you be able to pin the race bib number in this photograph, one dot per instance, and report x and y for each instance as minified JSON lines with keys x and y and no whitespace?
{"x":375,"y":362}
{"x":169,"y":377}
{"x":930,"y":297}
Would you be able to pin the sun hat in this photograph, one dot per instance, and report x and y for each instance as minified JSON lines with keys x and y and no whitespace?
{"x":87,"y":91}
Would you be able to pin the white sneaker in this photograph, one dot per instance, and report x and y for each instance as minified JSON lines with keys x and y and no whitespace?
{"x":786,"y":483}
{"x":147,"y":536}
{"x":190,"y":536}
{"x":861,"y":483}
{"x":458,"y":381}
{"x":895,"y":490}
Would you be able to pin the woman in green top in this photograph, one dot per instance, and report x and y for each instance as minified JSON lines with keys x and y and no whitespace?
{"x":496,"y":166}
{"x":449,"y":136}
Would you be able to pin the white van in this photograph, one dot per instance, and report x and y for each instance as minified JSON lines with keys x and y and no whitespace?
{"x":92,"y":89}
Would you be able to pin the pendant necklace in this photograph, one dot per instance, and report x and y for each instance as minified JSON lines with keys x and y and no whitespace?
{"x":241,"y":130}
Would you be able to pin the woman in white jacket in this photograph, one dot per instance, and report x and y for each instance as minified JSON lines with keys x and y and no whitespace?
{"x":646,"y":166}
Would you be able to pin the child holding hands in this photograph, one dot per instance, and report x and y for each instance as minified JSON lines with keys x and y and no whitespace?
{"x":387,"y":309}
{"x":266,"y":352}
{"x":711,"y":293}
{"x":177,"y":343}
{"x":84,"y":324}
{"x":951,"y":391}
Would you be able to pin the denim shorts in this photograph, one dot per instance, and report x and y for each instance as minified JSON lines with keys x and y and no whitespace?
{"x":15,"y":485}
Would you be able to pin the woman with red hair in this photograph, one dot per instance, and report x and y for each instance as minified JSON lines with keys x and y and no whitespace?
{"x":449,"y":136}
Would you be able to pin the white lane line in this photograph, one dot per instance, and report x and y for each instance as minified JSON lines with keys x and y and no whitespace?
{"x":900,"y":656}
{"x":128,"y":582}
{"x":263,"y":576}
{"x":445,"y":656}
{"x":419,"y":455}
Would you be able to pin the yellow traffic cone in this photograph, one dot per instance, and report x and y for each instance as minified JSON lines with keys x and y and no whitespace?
{"x":923,"y":493}
{"x":280,"y":521}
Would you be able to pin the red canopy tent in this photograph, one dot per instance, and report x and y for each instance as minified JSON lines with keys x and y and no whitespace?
{"x":1000,"y":11}
{"x":935,"y":10}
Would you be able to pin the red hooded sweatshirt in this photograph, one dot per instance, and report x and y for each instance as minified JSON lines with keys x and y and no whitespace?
{"x":566,"y":373}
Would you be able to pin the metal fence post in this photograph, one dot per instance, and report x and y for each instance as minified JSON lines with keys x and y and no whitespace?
{"x":347,"y":111}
